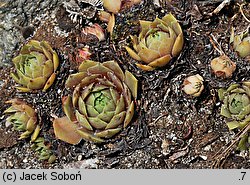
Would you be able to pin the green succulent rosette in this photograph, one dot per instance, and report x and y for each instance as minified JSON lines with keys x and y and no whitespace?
{"x":101,"y":104}
{"x":241,"y":43}
{"x":43,"y":150}
{"x":35,"y":66}
{"x":236,"y":107}
{"x":24,"y":119}
{"x":158,"y":42}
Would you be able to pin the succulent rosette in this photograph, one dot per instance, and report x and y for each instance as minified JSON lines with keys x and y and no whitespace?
{"x":241,"y":43}
{"x":158,"y":42}
{"x":101,"y":104}
{"x":24,"y":118}
{"x":193,"y":85}
{"x":43,"y":149}
{"x":223,"y":67}
{"x":115,"y":6}
{"x":95,"y":30}
{"x":236,"y":107}
{"x":35,"y":66}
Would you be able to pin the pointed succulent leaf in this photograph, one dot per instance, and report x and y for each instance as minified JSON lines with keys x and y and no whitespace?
{"x":127,"y":95}
{"x":89,"y":137}
{"x":116,"y":120}
{"x":233,"y":124}
{"x":120,"y":106}
{"x":132,"y":83}
{"x":87,"y":91}
{"x":113,"y":66}
{"x":75,"y":79}
{"x":82,"y":120}
{"x":106,"y":116}
{"x":115,"y":80}
{"x":133,"y":54}
{"x":89,"y":79}
{"x":50,"y":81}
{"x":111,"y":24}
{"x":225,"y":112}
{"x":160,"y":62}
{"x":51,"y":159}
{"x":244,"y":112}
{"x":221,"y":93}
{"x":76,"y":95}
{"x":35,"y":133}
{"x":115,"y":95}
{"x":82,"y":106}
{"x":98,"y":69}
{"x":108,"y":133}
{"x":92,"y":112}
{"x":145,"y":67}
{"x":23,"y":89}
{"x":243,"y":143}
{"x":25,"y":134}
{"x":68,"y":108}
{"x":97,"y":123}
{"x":31,"y":124}
{"x":86,"y":64}
{"x":129,"y":115}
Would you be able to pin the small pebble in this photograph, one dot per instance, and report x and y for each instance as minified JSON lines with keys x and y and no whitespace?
{"x":207,"y":148}
{"x":79,"y":157}
{"x":10,"y":163}
{"x":203,"y":157}
{"x":25,"y":160}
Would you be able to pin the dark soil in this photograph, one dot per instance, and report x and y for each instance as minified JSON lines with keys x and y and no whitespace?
{"x":170,"y":129}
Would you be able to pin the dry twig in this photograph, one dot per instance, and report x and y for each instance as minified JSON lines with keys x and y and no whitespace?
{"x":242,"y":12}
{"x":157,"y":119}
{"x":220,"y":7}
{"x":216,"y":45}
{"x":220,"y":157}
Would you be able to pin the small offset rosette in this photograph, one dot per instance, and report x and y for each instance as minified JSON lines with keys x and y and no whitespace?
{"x":193,"y":85}
{"x":236,"y":101}
{"x":35,"y":66}
{"x":158,"y":42}
{"x":24,"y":118}
{"x":241,"y":43}
{"x":236,"y":108}
{"x":102,"y":103}
{"x":116,"y":6}
{"x":223,"y":66}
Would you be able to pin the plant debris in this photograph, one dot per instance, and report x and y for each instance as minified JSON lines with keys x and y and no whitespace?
{"x":7,"y":139}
